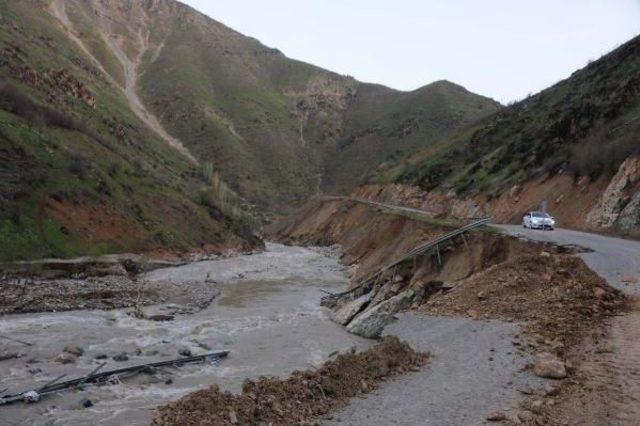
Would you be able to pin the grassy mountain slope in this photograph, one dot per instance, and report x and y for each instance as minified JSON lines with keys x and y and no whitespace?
{"x":385,"y":125}
{"x":79,"y":172}
{"x":583,"y":128}
{"x":586,"y":124}
{"x":277,"y":129}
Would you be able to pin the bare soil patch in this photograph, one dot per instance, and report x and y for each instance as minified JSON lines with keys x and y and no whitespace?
{"x":302,"y":396}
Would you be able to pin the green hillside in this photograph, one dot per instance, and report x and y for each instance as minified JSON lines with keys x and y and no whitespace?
{"x":586,"y":125}
{"x":277,"y":129}
{"x":141,"y":126}
{"x":79,"y":173}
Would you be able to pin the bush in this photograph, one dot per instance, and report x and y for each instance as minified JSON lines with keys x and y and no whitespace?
{"x":600,"y":154}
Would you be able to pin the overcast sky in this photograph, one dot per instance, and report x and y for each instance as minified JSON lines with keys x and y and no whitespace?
{"x":504,"y":49}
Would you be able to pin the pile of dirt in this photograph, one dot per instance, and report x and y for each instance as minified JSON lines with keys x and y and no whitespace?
{"x":302,"y":396}
{"x":556,"y":296}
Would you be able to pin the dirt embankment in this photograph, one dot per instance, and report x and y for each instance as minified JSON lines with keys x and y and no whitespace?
{"x":302,"y":396}
{"x":368,"y":238}
{"x":371,"y":238}
{"x":610,"y":204}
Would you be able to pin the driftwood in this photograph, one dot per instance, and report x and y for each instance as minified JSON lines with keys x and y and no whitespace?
{"x":104,"y":377}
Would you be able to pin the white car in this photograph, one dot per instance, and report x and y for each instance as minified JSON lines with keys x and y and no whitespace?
{"x":538,"y":220}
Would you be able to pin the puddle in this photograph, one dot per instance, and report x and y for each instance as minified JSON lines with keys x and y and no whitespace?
{"x":267,"y":315}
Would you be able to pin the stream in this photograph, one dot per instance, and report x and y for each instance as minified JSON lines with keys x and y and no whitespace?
{"x":267,"y":315}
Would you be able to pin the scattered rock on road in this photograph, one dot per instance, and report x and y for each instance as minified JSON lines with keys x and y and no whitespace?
{"x":497,"y":416}
{"x":549,"y":366}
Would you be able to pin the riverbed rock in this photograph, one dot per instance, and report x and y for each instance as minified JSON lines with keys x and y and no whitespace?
{"x":372,"y":321}
{"x":346,"y":312}
{"x":121,"y":357}
{"x":74,"y":350}
{"x":549,"y":366}
{"x":66,"y":358}
{"x":160,"y":317}
{"x":9,"y":355}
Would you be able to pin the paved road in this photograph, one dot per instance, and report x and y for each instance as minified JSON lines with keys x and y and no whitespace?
{"x":614,"y":259}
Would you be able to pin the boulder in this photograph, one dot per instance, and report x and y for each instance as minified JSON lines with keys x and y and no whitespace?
{"x":372,"y":321}
{"x":549,"y":366}
{"x":346,"y":312}
{"x":388,"y":290}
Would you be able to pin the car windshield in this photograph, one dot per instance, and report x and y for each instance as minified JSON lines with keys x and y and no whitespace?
{"x":540,"y":215}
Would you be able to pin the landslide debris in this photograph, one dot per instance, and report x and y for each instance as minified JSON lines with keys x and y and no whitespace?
{"x":556,"y":296}
{"x":302,"y":396}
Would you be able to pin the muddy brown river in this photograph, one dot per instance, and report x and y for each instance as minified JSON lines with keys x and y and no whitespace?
{"x":267,"y":315}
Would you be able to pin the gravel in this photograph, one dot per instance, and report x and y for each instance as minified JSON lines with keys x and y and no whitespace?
{"x":474,"y":371}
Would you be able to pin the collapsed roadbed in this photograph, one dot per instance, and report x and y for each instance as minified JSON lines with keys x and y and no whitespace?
{"x":543,"y":287}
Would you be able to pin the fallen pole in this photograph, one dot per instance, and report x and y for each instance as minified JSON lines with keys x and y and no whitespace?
{"x":16,"y":340}
{"x":101,"y":378}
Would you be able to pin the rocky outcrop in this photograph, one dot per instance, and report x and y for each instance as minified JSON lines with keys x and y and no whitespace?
{"x":620,"y":203}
